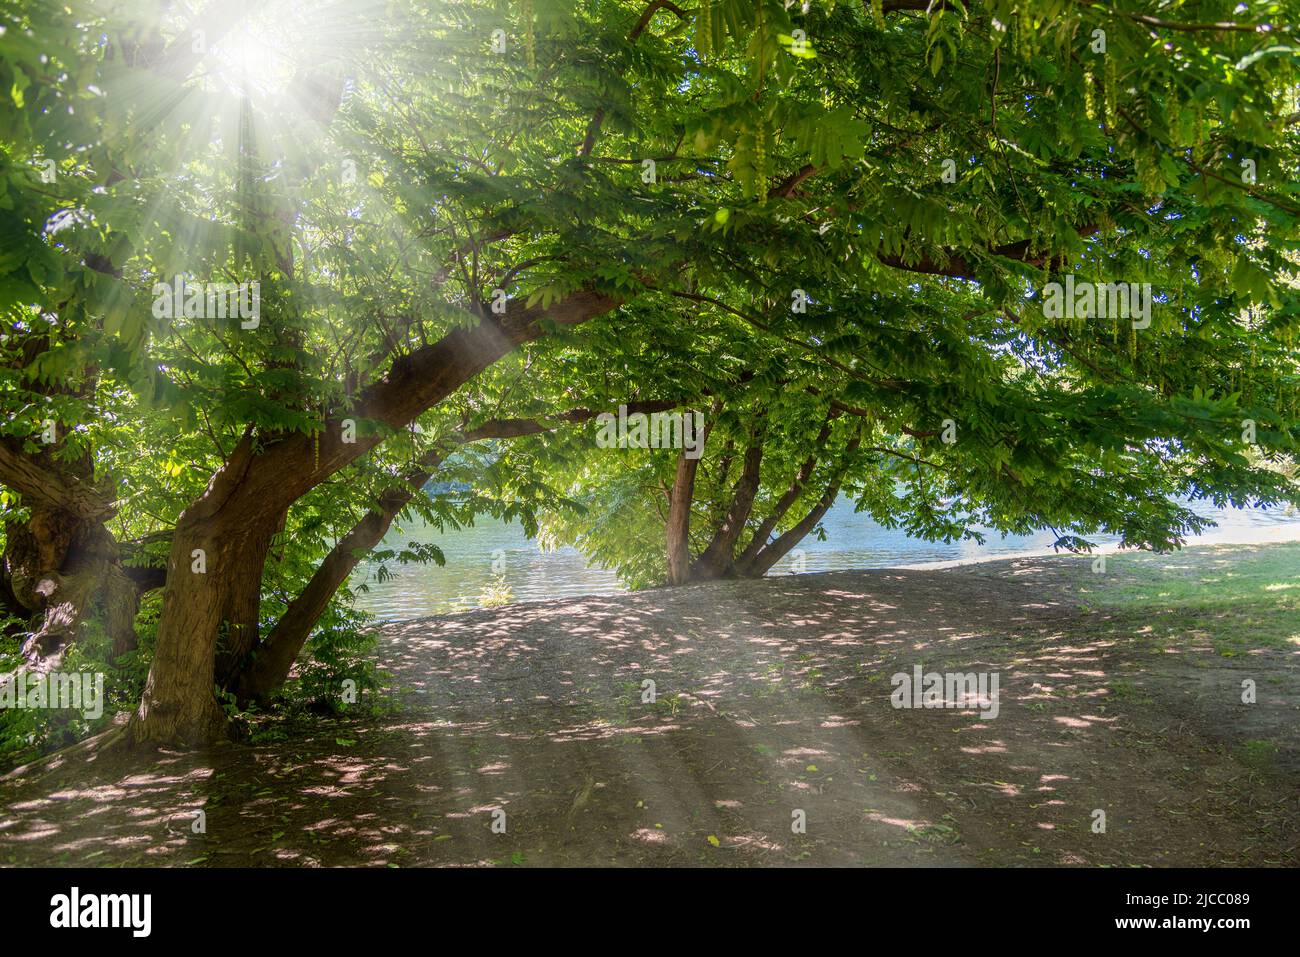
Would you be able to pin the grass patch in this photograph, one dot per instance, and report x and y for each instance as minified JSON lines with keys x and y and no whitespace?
{"x":1236,"y":597}
{"x":1257,"y":754}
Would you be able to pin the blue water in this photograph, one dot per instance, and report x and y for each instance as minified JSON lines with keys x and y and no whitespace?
{"x":852,"y":541}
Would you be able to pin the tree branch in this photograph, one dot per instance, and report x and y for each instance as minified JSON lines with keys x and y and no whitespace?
{"x":593,"y":128}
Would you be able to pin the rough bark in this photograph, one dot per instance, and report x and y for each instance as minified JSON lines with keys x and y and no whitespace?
{"x":241,"y":614}
{"x":178,"y":704}
{"x":61,"y":566}
{"x":67,"y":579}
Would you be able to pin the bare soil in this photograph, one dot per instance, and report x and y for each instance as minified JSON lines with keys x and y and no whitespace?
{"x":772,"y":698}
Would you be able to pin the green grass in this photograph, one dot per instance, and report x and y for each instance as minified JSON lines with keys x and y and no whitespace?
{"x":1238,"y":597}
{"x":1258,"y":754}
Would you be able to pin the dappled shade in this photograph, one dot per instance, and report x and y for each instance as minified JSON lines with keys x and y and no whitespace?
{"x":772,"y":696}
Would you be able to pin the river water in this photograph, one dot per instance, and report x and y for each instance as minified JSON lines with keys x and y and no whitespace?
{"x":852,"y":541}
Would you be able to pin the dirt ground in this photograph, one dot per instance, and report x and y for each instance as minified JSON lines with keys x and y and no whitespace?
{"x":772,"y":698}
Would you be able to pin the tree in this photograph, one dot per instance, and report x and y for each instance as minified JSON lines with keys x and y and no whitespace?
{"x":980,"y":406}
{"x":864,"y":254}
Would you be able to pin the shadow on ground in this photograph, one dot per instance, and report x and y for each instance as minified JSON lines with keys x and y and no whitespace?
{"x":772,"y":706}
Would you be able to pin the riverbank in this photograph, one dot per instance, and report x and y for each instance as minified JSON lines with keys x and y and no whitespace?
{"x":1119,"y":691}
{"x":492,"y":559}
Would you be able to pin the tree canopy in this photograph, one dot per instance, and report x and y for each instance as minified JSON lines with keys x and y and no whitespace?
{"x":832,"y":229}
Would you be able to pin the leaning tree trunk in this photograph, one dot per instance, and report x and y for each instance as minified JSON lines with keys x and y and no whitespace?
{"x":774,"y":551}
{"x":260,"y":481}
{"x":791,"y":495}
{"x":267,"y":670}
{"x":715,"y":561}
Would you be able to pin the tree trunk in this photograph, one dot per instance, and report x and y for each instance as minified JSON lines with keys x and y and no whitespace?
{"x":787,"y":499}
{"x":715,"y":560}
{"x":267,"y":670}
{"x":257,"y":485}
{"x":678,"y":530}
{"x":62,"y":571}
{"x":241,"y":615}
{"x":179,"y":704}
{"x":269,"y":667}
{"x":761,"y":563}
